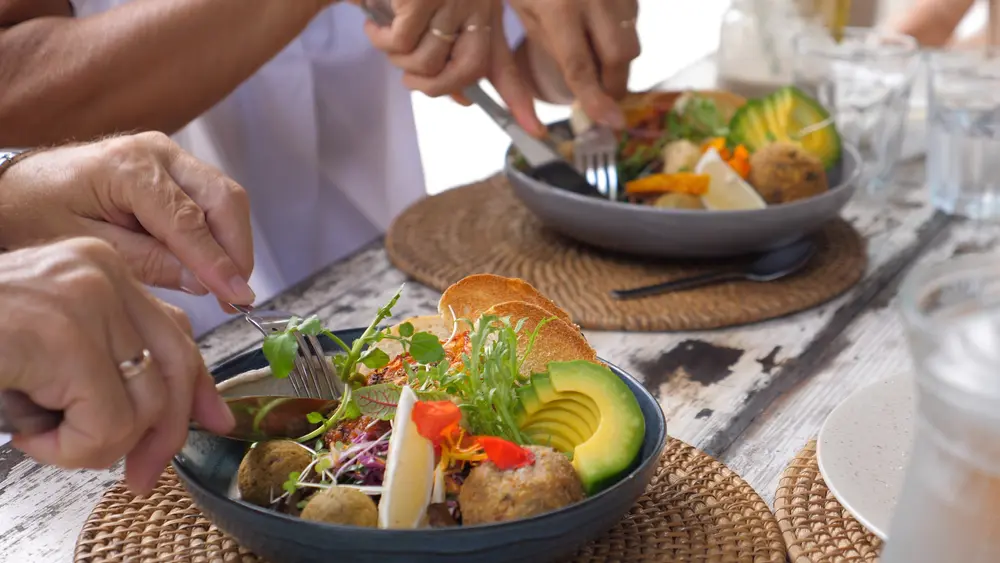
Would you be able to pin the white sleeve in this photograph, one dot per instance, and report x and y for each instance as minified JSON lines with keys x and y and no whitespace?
{"x":512,"y":26}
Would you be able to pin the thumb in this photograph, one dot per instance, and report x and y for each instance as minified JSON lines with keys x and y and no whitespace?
{"x":508,"y":81}
{"x":149,"y":260}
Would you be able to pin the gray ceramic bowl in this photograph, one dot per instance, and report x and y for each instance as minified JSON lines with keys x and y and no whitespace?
{"x":684,"y":233}
{"x":207,"y":467}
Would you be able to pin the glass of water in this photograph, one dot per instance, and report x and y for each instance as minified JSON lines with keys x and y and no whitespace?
{"x":963,"y":150}
{"x":948,"y":506}
{"x":864,"y":81}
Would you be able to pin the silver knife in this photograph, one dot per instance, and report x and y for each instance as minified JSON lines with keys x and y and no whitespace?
{"x":257,"y":418}
{"x":546,"y":162}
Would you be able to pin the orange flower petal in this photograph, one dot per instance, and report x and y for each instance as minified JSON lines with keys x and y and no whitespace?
{"x":434,"y":417}
{"x":506,"y":455}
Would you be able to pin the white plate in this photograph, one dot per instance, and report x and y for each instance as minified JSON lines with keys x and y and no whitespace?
{"x":863,"y":447}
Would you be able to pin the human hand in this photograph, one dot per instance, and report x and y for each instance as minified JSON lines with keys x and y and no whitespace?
{"x":592,"y":42}
{"x":178,"y":222}
{"x":443,"y":46}
{"x":73,"y":313}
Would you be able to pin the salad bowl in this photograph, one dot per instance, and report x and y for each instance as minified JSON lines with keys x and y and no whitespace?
{"x":704,"y":226}
{"x":207,"y":466}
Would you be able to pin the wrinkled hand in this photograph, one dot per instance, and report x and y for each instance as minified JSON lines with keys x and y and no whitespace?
{"x":179,"y":223}
{"x":593,"y":43}
{"x":73,"y":313}
{"x":442,"y":46}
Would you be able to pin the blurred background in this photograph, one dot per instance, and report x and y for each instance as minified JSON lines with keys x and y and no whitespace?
{"x":674,"y":35}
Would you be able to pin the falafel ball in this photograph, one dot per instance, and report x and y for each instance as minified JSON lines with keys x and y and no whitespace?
{"x":492,"y":495}
{"x":266,"y":467}
{"x":782,"y":172}
{"x":342,"y":505}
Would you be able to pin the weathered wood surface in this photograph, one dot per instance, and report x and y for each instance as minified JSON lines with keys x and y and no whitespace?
{"x":740,"y":393}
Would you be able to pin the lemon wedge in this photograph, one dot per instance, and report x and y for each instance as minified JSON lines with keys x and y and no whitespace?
{"x":409,"y":471}
{"x":726,"y":190}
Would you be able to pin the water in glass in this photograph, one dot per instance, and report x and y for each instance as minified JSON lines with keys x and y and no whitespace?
{"x":949,"y":507}
{"x":963,"y":153}
{"x":865,"y":81}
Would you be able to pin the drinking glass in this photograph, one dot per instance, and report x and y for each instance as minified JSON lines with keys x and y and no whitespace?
{"x":865,"y":82}
{"x":948,"y":506}
{"x":963,"y":150}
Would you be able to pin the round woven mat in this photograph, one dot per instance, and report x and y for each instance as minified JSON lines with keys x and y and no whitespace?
{"x":695,"y":510}
{"x":484,"y":228}
{"x":815,"y":526}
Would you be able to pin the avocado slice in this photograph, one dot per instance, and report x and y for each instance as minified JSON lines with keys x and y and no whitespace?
{"x":547,"y":393}
{"x":527,"y":404}
{"x":782,"y":116}
{"x":584,"y":408}
{"x":570,"y":412}
{"x":557,"y":428}
{"x":554,"y":441}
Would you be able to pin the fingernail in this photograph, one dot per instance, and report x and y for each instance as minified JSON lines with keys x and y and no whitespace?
{"x":241,"y":291}
{"x":190,"y":283}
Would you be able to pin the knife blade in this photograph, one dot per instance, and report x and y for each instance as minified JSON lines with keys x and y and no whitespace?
{"x":547,"y":165}
{"x":257,"y":418}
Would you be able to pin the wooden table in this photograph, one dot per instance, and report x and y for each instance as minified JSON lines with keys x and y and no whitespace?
{"x":752,"y":396}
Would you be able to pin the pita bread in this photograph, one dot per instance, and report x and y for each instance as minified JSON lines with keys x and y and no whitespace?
{"x":557,"y":341}
{"x":433,"y":324}
{"x":471,"y":296}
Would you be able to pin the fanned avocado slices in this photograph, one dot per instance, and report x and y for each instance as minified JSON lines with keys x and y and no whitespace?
{"x":787,"y":114}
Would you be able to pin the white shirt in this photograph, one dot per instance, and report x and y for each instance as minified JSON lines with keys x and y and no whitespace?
{"x":322,"y":137}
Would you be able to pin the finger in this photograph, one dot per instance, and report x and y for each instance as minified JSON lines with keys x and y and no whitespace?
{"x":168,"y":213}
{"x":177,"y":315}
{"x":206,"y":404}
{"x":469,"y":63}
{"x":98,"y":413}
{"x":510,"y":84}
{"x":616,"y":42}
{"x":148,"y":259}
{"x":407,"y":29}
{"x":572,"y":51}
{"x":461,"y":100}
{"x":225,"y":203}
{"x":148,"y":394}
{"x":181,"y":365}
{"x":431,"y":54}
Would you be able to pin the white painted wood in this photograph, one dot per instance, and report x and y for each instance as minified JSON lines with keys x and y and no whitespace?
{"x":873,"y":348}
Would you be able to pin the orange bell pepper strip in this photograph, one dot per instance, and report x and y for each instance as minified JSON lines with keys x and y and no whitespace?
{"x":679,"y":182}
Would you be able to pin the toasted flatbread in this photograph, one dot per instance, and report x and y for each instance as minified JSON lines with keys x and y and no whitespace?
{"x":433,"y":324}
{"x":557,"y":341}
{"x":471,"y":296}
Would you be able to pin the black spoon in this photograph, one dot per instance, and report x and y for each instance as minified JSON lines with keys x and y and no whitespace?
{"x":770,"y":266}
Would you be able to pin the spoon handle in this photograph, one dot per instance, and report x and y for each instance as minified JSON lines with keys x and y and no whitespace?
{"x":677,"y":285}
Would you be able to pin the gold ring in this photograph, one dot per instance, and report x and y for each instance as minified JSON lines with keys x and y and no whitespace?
{"x":629,"y":23}
{"x":448,"y":37}
{"x":136,"y":366}
{"x":472,"y":28}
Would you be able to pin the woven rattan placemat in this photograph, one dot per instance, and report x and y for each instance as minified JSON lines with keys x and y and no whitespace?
{"x":815,"y":526}
{"x":695,"y":510}
{"x":484,"y":228}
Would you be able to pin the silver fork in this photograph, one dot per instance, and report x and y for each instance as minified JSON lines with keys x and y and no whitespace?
{"x":595,"y":152}
{"x":313,"y":375}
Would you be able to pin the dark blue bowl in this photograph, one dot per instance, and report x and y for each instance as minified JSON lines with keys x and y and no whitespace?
{"x":207,"y":467}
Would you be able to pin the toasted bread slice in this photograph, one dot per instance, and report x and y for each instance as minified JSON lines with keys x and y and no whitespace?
{"x":471,"y":296}
{"x":433,"y":324}
{"x":557,"y":341}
